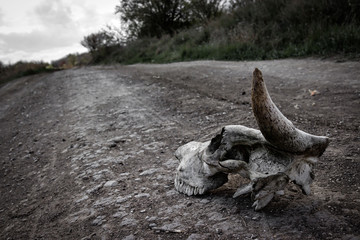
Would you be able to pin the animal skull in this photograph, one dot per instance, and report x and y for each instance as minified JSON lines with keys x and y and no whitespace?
{"x":270,"y":158}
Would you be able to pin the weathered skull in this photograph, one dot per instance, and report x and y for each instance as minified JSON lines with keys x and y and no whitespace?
{"x":270,"y":158}
{"x":193,"y":175}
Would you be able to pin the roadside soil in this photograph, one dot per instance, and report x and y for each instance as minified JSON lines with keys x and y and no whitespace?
{"x":88,"y":153}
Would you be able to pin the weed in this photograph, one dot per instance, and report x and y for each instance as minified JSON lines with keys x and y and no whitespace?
{"x":267,"y":29}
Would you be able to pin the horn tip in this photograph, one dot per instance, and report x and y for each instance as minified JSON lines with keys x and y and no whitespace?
{"x":327,"y":141}
{"x":257,"y":73}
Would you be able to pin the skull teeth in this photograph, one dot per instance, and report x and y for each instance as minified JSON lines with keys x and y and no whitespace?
{"x":187,"y":189}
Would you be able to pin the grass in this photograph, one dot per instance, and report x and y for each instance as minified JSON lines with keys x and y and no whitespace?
{"x":21,"y":69}
{"x":254,"y":30}
{"x":9,"y":72}
{"x":250,"y":30}
{"x":334,"y":40}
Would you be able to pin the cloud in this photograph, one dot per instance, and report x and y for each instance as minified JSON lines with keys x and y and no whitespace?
{"x":54,"y":13}
{"x":43,"y":55}
{"x":2,"y":22}
{"x":50,"y":26}
{"x":55,"y":29}
{"x":36,"y":40}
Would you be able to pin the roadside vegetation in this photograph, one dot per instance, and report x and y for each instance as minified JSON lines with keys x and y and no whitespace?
{"x":181,"y":30}
{"x":26,"y":68}
{"x":159,"y":31}
{"x":20,"y":69}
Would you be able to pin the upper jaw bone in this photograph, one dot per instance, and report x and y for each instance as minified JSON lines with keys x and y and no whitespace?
{"x":183,"y":187}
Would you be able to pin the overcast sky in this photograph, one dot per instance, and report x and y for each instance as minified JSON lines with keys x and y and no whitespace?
{"x":50,"y":29}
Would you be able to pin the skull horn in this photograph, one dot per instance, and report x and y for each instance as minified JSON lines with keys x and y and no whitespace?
{"x":277,"y":129}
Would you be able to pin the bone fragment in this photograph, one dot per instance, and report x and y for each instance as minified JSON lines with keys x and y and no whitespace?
{"x":243,"y":190}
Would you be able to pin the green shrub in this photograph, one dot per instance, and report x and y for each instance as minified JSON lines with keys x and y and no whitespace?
{"x":266,"y":29}
{"x":20,"y":69}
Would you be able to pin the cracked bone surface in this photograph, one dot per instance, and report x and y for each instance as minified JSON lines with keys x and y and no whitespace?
{"x":269,"y":157}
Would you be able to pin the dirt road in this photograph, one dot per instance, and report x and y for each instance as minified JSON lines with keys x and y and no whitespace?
{"x":88,"y":153}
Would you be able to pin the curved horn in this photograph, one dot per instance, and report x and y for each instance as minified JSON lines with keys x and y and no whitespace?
{"x":277,"y":129}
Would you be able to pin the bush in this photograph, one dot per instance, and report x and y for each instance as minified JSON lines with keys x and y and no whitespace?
{"x":20,"y":69}
{"x":266,"y":29}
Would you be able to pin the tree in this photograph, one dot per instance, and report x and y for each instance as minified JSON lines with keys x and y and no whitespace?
{"x":101,"y":39}
{"x":153,"y":18}
{"x":205,"y":10}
